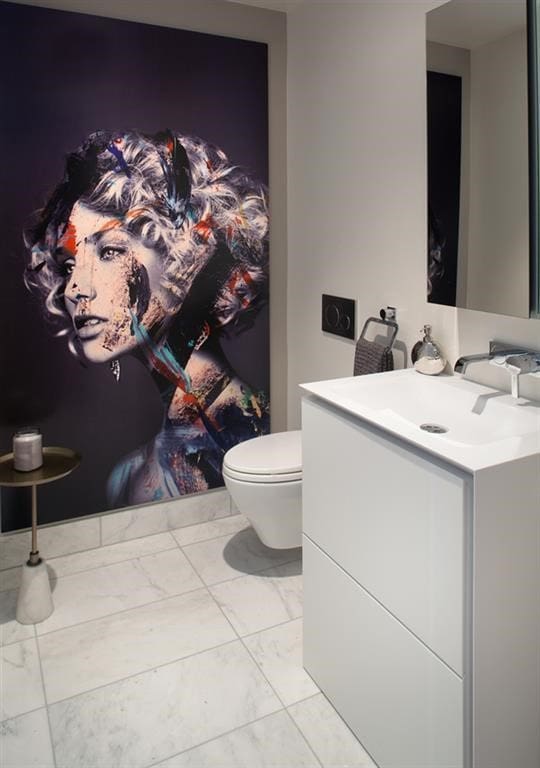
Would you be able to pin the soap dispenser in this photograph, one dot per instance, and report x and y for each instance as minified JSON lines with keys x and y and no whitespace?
{"x":427,"y":356}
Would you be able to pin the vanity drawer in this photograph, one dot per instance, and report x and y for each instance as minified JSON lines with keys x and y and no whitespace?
{"x":400,"y":700}
{"x":390,"y":518}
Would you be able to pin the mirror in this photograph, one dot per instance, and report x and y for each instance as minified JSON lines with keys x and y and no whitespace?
{"x":534,"y":93}
{"x":478,"y":156}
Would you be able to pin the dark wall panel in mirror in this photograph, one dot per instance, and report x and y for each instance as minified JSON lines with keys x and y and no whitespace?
{"x":533,"y":22}
{"x":485,"y":44}
{"x":444,"y":161}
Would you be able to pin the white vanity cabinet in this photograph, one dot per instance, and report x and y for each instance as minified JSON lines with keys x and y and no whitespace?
{"x":421,"y":596}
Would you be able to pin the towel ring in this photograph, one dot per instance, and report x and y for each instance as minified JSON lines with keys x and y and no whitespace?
{"x":388,"y":323}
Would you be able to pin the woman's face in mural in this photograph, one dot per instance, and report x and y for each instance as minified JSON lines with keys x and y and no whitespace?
{"x":112,"y":282}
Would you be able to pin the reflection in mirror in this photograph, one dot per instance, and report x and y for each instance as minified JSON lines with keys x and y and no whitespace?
{"x":533,"y":23}
{"x":478,"y":158}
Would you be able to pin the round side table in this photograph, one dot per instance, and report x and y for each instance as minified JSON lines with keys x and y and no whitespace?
{"x":35,"y":603}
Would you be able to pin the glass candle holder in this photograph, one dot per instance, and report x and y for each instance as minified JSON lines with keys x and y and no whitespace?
{"x":27,"y":449}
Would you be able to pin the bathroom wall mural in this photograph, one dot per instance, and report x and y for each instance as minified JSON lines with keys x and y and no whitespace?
{"x":135,"y":254}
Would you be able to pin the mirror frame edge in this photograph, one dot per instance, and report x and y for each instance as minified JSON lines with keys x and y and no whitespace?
{"x":533,"y":42}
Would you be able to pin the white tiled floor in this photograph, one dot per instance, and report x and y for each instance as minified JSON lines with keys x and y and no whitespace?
{"x":178,"y":650}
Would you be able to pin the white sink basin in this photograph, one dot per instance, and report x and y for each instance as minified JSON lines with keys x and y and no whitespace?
{"x":479,"y":422}
{"x":470,"y":413}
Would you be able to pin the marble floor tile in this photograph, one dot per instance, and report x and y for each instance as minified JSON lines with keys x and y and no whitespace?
{"x":100,"y":652}
{"x":261,"y":600}
{"x":211,"y":530}
{"x":118,"y":587}
{"x":273,"y":742}
{"x":157,"y":714}
{"x":329,"y":737}
{"x":164,"y":516}
{"x":235,"y":555}
{"x":10,"y":629}
{"x":10,"y":578}
{"x":25,"y":742}
{"x":278,"y":652}
{"x":53,"y":541}
{"x":21,"y":689}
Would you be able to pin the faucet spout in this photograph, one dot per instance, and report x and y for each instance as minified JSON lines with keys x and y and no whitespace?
{"x":463,"y":362}
{"x":497,"y":352}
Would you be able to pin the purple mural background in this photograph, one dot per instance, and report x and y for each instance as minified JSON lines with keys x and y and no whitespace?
{"x":65,"y":75}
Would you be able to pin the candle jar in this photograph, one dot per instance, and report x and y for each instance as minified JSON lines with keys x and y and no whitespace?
{"x":27,"y":449}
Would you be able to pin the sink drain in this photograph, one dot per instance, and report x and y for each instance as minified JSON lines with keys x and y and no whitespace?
{"x":435,"y":429}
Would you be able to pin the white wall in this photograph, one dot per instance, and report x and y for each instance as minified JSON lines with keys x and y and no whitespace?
{"x":234,"y":20}
{"x":357,"y":189}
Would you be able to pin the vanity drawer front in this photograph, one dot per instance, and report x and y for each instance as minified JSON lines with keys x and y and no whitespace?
{"x":390,"y":518}
{"x":401,"y":701}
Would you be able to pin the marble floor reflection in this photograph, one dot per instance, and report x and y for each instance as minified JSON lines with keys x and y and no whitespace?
{"x":178,"y":649}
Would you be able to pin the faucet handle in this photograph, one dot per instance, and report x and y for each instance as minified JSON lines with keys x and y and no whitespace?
{"x":525,"y":360}
{"x":518,"y":363}
{"x":499,"y":360}
{"x":528,"y":362}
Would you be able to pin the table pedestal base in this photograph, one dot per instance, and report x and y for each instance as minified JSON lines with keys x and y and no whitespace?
{"x":35,"y":600}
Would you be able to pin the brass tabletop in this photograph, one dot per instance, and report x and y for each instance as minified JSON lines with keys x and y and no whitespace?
{"x":57,"y":463}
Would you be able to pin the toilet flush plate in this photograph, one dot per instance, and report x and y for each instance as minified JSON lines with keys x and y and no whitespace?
{"x":338,"y":316}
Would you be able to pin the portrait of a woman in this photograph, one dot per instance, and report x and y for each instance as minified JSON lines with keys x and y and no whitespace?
{"x":155,"y":246}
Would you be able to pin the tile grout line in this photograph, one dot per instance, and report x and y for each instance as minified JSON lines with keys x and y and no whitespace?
{"x":65,"y":554}
{"x":120,"y":612}
{"x":284,"y":707}
{"x":276,"y":694}
{"x":191,"y":564}
{"x":242,"y":574}
{"x":53,"y":750}
{"x":347,"y":726}
{"x":271,"y":626}
{"x":21,"y":714}
{"x":94,"y":567}
{"x":173,"y":545}
{"x":287,"y":709}
{"x":302,"y":734}
{"x":252,"y":657}
{"x":239,"y":575}
{"x":167,"y":529}
{"x":143,"y":672}
{"x":219,"y":736}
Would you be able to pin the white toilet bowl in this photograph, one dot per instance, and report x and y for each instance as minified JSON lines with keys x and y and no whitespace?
{"x":264,"y":478}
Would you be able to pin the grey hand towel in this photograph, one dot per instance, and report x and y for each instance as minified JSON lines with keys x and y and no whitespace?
{"x":370,"y":357}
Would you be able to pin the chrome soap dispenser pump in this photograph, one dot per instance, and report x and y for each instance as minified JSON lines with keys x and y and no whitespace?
{"x":427,"y":356}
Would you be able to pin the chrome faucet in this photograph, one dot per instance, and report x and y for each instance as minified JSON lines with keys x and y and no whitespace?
{"x":516,"y":360}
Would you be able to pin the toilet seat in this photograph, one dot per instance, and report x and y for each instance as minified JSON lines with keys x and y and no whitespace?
{"x":275,"y":458}
{"x":258,"y":479}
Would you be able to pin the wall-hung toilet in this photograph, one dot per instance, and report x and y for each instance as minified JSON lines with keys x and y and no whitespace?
{"x":264,"y":478}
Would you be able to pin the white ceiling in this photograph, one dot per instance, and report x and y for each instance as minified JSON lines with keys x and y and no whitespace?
{"x":464,"y":23}
{"x":470,"y":24}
